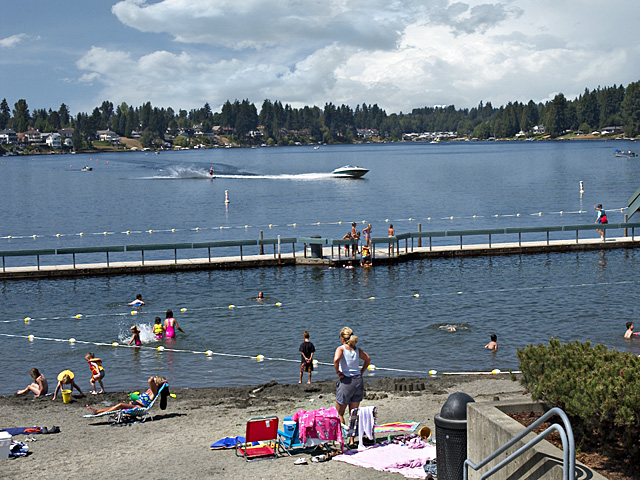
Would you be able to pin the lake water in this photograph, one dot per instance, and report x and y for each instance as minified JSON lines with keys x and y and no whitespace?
{"x":290,"y":192}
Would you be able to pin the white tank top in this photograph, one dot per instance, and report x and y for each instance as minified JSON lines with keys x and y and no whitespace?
{"x":349,"y":362}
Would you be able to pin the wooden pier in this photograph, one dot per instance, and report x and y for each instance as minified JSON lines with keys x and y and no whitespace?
{"x":332,"y":255}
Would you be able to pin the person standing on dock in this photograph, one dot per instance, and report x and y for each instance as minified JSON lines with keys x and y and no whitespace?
{"x":367,"y":235}
{"x":602,"y":219}
{"x":391,"y":232}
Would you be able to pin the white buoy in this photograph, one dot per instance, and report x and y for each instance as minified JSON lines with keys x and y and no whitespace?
{"x":208,"y":353}
{"x":226,"y":196}
{"x":260,"y":358}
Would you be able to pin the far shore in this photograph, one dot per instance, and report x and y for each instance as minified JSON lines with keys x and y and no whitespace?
{"x":176,"y":443}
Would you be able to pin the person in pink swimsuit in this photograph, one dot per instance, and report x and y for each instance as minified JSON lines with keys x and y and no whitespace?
{"x":170,"y":325}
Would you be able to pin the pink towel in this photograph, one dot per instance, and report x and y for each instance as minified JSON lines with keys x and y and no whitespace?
{"x":391,"y":458}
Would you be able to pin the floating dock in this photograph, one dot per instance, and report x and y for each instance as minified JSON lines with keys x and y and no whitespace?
{"x":332,"y":256}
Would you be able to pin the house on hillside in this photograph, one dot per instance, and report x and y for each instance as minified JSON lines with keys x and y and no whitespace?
{"x":108,"y":136}
{"x":54,"y":140}
{"x":30,"y":136}
{"x":538,"y":129}
{"x":8,"y":137}
{"x":611,"y":130}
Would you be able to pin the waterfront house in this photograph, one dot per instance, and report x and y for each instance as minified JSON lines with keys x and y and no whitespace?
{"x":108,"y":136}
{"x":8,"y":137}
{"x":54,"y":140}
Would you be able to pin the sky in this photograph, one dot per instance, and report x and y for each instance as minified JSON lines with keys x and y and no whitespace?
{"x":397,"y":54}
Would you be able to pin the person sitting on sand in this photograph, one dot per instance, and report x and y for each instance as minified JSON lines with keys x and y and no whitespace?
{"x":142,"y":401}
{"x":66,"y":378}
{"x":39,"y":387}
{"x":493,"y":344}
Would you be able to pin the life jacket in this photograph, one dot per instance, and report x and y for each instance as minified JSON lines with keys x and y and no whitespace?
{"x":95,"y":364}
{"x":158,"y":328}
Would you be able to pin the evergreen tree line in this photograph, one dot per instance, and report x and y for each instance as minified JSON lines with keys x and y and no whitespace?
{"x":282,"y":124}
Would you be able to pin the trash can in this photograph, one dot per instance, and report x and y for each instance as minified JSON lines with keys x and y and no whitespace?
{"x":451,"y":436}
{"x":316,"y":249}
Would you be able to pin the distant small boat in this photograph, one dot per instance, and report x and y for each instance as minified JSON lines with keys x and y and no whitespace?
{"x":627,"y":154}
{"x":349,"y":171}
{"x":86,"y":168}
{"x":317,"y":147}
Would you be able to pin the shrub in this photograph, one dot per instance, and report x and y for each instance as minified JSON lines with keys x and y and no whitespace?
{"x":598,"y":388}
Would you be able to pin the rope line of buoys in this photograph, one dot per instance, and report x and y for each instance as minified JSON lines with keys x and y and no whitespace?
{"x":258,"y":358}
{"x":296,"y":224}
{"x":191,"y":310}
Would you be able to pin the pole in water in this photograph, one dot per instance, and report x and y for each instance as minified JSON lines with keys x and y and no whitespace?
{"x":581,"y":187}
{"x":226,"y":196}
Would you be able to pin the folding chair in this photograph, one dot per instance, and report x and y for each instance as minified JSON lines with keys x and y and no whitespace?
{"x":137,"y":413}
{"x":260,"y":429}
{"x":353,"y":430}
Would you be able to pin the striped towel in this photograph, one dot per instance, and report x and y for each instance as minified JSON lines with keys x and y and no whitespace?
{"x":396,"y":427}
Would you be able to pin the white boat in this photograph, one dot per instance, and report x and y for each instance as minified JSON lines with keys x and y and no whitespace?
{"x":87,"y":168}
{"x":349,"y":171}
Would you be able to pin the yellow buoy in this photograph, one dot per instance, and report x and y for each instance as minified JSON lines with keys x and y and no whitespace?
{"x":495,"y":371}
{"x":35,"y":236}
{"x":30,"y":337}
{"x":231,"y":307}
{"x":270,"y":225}
{"x":260,"y":358}
{"x":173,"y":229}
{"x":57,"y":234}
{"x":428,"y":218}
{"x":517,"y":214}
{"x":295,"y":224}
{"x":27,"y":319}
{"x":72,"y":340}
{"x":433,"y":372}
{"x":208,"y":353}
{"x":340,"y":222}
{"x":459,"y":293}
{"x":372,"y":298}
{"x":451,"y":217}
{"x":371,"y":367}
{"x":161,"y":348}
{"x":133,"y":312}
{"x":79,"y":315}
{"x":114,"y":344}
{"x":278,"y":304}
{"x":386,"y":220}
{"x":410,"y":219}
{"x":197,"y":228}
{"x":81,"y":234}
{"x":150,"y":231}
{"x":318,"y":223}
{"x":246,"y":226}
{"x":105,"y":233}
{"x":183,"y":309}
{"x":128,"y":232}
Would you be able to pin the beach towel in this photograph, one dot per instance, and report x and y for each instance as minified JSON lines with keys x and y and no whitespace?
{"x":366,"y":422}
{"x":396,"y":427}
{"x":228,"y":442}
{"x":22,"y":430}
{"x":391,"y":457}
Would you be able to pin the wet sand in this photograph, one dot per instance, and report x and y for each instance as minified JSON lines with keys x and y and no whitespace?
{"x":175,"y":445}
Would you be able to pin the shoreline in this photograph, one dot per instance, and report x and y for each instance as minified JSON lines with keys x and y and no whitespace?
{"x":176,"y":443}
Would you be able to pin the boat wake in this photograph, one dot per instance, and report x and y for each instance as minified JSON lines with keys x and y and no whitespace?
{"x":199,"y":173}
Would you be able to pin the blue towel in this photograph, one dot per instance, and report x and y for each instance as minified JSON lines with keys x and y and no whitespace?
{"x":22,"y":430}
{"x":228,"y":442}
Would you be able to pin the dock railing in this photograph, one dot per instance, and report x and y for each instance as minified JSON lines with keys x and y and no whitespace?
{"x":394,"y":241}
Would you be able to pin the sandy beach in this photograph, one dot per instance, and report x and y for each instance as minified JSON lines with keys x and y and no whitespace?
{"x":175,"y":445}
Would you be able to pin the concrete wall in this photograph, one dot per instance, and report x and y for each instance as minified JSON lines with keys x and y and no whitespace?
{"x":489,"y":427}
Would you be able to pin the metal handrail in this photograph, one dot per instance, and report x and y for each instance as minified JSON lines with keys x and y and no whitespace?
{"x":568,"y":447}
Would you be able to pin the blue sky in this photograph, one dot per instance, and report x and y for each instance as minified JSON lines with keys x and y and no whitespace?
{"x":398,"y":54}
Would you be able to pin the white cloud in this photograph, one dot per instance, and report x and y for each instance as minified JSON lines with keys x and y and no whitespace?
{"x":13,"y":40}
{"x":397,"y":54}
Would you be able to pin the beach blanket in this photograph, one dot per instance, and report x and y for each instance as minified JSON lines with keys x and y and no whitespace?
{"x":22,"y":430}
{"x":396,"y":427}
{"x":228,"y":442}
{"x":391,"y":457}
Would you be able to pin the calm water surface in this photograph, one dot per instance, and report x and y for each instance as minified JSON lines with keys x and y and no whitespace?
{"x":523,"y":299}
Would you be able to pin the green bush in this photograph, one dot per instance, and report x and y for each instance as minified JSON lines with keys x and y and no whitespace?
{"x":598,"y":388}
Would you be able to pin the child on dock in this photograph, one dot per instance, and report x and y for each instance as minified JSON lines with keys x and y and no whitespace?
{"x":602,"y":219}
{"x":306,"y":350}
{"x":97,"y":372}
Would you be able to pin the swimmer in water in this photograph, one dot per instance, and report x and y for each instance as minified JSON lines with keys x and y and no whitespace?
{"x":136,"y":336}
{"x":493,"y":344}
{"x":138,"y":302}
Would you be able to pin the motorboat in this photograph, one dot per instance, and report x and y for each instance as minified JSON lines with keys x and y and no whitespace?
{"x":349,"y":171}
{"x":623,"y":154}
{"x":86,"y":168}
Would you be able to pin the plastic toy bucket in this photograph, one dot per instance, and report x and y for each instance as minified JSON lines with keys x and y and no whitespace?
{"x":66,"y":396}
